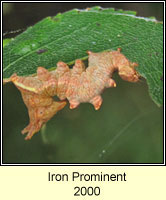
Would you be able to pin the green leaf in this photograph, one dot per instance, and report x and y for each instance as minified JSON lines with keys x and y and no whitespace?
{"x":69,"y":35}
{"x":6,"y":41}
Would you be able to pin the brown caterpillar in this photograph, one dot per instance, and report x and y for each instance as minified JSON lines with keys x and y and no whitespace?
{"x":77,"y":85}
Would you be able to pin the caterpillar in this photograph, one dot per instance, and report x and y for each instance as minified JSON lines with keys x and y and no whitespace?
{"x":77,"y":85}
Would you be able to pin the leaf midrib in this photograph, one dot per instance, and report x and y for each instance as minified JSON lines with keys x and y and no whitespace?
{"x":31,"y":52}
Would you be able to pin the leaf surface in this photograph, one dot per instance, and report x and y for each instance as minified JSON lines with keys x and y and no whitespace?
{"x":69,"y":35}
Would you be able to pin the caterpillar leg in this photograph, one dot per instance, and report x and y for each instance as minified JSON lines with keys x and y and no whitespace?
{"x":32,"y":129}
{"x":33,"y":126}
{"x":73,"y":104}
{"x":26,"y":129}
{"x":96,"y":101}
{"x":110,"y":83}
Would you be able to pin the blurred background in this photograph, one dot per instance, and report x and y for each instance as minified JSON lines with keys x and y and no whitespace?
{"x":127,"y":129}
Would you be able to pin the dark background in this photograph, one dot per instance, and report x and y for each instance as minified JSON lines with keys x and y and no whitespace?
{"x":127,"y":129}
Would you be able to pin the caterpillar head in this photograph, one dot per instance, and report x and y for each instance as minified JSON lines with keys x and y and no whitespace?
{"x":128,"y":72}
